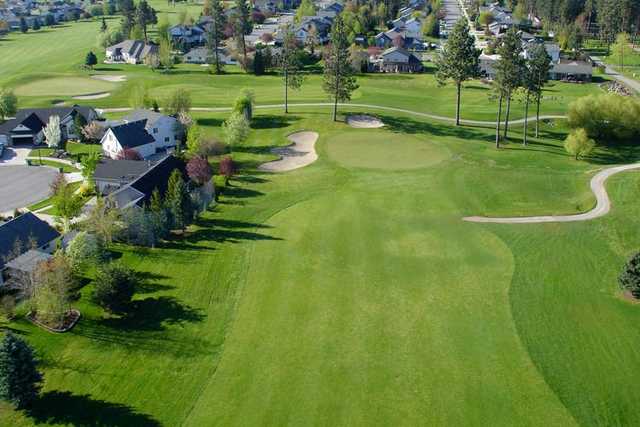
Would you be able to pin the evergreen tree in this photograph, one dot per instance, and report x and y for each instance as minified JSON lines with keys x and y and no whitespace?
{"x":178,"y":201}
{"x":215,"y":36}
{"x":20,"y":380}
{"x":23,"y":25}
{"x":290,"y":64}
{"x":145,"y":15}
{"x":536,"y":77}
{"x":610,"y":20}
{"x":339,"y":81}
{"x":508,"y":75}
{"x":258,"y":63}
{"x":36,"y":24}
{"x":242,"y":27}
{"x":103,"y":26}
{"x":459,"y":60}
{"x":90,"y":61}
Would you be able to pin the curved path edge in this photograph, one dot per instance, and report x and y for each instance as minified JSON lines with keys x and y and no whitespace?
{"x":329,"y":104}
{"x":603,"y":204}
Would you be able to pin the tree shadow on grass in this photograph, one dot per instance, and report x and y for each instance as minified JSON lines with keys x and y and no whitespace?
{"x":64,"y":407}
{"x":241,"y":193}
{"x":226,"y":231}
{"x":153,"y":314}
{"x":410,"y":126}
{"x":272,"y":121}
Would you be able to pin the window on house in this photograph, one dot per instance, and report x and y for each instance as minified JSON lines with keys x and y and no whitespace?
{"x":155,"y":130}
{"x":166,"y":139}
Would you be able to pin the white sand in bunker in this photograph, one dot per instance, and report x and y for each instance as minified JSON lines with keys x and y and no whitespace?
{"x":364,"y":122}
{"x":300,"y":153}
{"x":98,"y":95}
{"x":113,"y":78}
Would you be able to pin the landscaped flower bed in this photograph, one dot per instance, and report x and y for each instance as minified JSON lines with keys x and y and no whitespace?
{"x":70,"y":319}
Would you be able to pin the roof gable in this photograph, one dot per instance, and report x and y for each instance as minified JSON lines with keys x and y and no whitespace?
{"x":23,"y":229}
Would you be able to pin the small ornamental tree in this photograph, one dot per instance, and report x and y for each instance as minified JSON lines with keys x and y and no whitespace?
{"x":93,"y":132}
{"x":8,"y":104}
{"x":199,"y":170}
{"x":53,"y":283}
{"x":115,"y":285}
{"x":91,"y":59}
{"x":235,"y":129}
{"x":128,"y":154}
{"x":579,"y":144}
{"x":178,"y":201}
{"x":52,"y":132}
{"x":20,"y":380}
{"x":630,"y":277}
{"x":66,"y":202}
{"x":84,"y":249}
{"x":244,"y":104}
{"x":227,"y":168}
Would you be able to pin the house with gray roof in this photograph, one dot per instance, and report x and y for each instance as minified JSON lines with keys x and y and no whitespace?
{"x":130,"y":52}
{"x":23,"y":234}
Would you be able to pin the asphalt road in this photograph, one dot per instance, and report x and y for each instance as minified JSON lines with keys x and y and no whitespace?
{"x":21,"y":186}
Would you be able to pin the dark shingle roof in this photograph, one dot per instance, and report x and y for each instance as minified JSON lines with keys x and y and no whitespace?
{"x":127,"y":170}
{"x":24,"y":228}
{"x":37,"y":118}
{"x":140,"y":190}
{"x":132,"y":134}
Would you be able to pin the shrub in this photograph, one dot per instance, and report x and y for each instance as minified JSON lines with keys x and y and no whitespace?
{"x":114,"y":287}
{"x":83,"y":249}
{"x":606,"y":117}
{"x":630,"y":277}
{"x":227,"y":168}
{"x":578,"y":144}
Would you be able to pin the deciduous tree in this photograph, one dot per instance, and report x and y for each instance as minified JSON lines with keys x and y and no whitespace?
{"x":8,"y":104}
{"x":114,"y":286}
{"x":578,"y":144}
{"x":629,"y":278}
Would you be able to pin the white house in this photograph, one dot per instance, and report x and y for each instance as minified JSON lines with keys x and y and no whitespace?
{"x":130,"y":52}
{"x":163,"y":129}
{"x":131,"y":136}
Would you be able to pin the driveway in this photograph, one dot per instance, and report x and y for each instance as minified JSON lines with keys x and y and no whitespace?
{"x":14,"y":156}
{"x":21,"y":186}
{"x":610,"y":71}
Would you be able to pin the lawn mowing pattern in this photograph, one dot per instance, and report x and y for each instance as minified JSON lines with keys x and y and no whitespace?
{"x":358,"y":296}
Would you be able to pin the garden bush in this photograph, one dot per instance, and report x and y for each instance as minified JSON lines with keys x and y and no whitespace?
{"x":606,"y":118}
{"x":630,"y":277}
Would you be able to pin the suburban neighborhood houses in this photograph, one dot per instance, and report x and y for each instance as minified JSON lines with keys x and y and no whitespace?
{"x":334,"y":212}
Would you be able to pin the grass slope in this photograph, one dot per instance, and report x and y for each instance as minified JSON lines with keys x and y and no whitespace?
{"x":357,"y":296}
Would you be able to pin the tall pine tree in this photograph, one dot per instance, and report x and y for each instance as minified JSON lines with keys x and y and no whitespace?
{"x":537,"y":76}
{"x":20,"y":380}
{"x":459,"y":60}
{"x":508,"y":76}
{"x":339,"y":81}
{"x":290,"y":64}
{"x":214,"y":35}
{"x":242,"y":27}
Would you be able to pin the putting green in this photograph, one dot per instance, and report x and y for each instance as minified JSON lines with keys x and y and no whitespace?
{"x":64,"y":86}
{"x":375,"y":149}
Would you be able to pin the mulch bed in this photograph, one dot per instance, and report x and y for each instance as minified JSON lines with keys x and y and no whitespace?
{"x":70,"y":320}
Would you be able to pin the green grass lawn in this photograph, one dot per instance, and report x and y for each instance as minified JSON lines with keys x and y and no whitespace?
{"x":47,"y":202}
{"x":351,"y":293}
{"x":54,"y":73}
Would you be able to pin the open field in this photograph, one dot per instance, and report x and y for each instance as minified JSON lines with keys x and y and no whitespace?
{"x":353,"y":294}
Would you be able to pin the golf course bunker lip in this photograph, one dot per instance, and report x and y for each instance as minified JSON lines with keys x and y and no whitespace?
{"x":362,"y":121}
{"x":98,"y":95}
{"x":301,"y":152}
{"x":113,"y":78}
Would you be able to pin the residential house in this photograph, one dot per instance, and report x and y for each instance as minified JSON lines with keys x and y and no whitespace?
{"x":321,"y":26}
{"x":164,"y":129}
{"x":396,"y":60}
{"x":130,"y":52}
{"x":111,"y":175}
{"x":187,"y":36}
{"x":138,"y":192}
{"x":128,"y":136}
{"x":201,"y":55}
{"x":26,"y":233}
{"x":28,"y":125}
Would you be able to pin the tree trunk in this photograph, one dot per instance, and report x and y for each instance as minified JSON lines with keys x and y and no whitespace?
{"x":526,"y":119}
{"x":498,"y":122}
{"x":286,"y":92}
{"x":335,"y":104}
{"x":459,"y":88}
{"x":506,"y":121}
{"x":538,"y":116}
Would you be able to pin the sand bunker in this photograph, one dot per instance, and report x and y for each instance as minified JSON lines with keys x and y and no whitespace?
{"x":300,"y":153}
{"x":93,"y":95}
{"x":364,"y":122}
{"x":110,"y":78}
